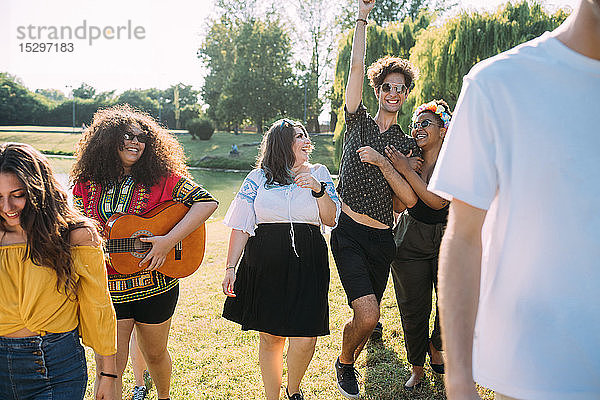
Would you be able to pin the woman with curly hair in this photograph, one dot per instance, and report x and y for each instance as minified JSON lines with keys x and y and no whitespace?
{"x":53,"y":287}
{"x":127,"y":163}
{"x":280,"y":287}
{"x":418,"y":236}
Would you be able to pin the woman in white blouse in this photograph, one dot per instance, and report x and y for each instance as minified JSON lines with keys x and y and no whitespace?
{"x":280,"y":287}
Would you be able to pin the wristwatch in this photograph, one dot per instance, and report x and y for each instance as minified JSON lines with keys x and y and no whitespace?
{"x":321,"y":193}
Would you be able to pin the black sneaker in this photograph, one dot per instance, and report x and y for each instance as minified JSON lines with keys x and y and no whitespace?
{"x":346,"y":380}
{"x":377,"y":333}
{"x":295,"y":396}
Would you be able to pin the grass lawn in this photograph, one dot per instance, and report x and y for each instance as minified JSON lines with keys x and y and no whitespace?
{"x":214,"y":359}
{"x":53,"y":143}
{"x":213,"y":153}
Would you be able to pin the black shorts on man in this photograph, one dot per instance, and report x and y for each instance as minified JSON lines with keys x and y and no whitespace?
{"x":362,"y":255}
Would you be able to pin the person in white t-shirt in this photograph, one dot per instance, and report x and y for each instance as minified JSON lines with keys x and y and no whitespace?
{"x":519,"y":263}
{"x":281,"y":284}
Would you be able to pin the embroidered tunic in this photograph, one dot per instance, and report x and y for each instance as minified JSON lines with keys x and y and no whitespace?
{"x":129,"y":197}
{"x":256,"y":202}
{"x":362,"y":186}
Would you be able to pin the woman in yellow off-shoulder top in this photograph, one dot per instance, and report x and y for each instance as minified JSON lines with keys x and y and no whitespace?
{"x":53,"y":287}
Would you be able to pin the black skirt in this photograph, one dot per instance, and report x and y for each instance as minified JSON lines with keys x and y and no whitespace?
{"x":277,"y":292}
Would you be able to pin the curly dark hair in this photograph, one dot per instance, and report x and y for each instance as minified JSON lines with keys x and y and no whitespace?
{"x":438,"y":119}
{"x":47,"y":217}
{"x":276,"y":157}
{"x":97,"y":151}
{"x":389,"y":65}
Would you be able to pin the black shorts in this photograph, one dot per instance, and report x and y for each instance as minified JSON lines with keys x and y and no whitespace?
{"x":153,"y":310}
{"x":362,"y":255}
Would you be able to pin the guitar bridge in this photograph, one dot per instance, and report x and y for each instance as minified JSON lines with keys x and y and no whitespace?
{"x":178,"y":248}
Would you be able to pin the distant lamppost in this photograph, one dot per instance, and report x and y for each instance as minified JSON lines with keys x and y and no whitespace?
{"x":160,"y":99}
{"x":305,"y":96}
{"x":72,"y":94}
{"x":73,"y":113}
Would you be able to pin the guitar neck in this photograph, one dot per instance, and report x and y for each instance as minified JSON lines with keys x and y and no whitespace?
{"x":126,"y":245}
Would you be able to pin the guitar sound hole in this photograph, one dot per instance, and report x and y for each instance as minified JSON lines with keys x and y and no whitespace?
{"x":141,"y":247}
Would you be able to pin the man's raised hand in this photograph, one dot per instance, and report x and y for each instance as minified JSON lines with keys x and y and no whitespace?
{"x":365,"y":7}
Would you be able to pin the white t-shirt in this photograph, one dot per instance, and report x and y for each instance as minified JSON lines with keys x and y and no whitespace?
{"x":257,"y":203}
{"x":524,"y":144}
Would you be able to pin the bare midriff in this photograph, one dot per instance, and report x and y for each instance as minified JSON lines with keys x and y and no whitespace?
{"x":363,"y":219}
{"x":21,"y":333}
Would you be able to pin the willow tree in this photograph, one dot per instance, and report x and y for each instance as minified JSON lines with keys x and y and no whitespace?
{"x":444,"y":54}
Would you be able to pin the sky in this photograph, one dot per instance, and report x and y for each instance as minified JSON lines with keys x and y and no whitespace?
{"x":164,"y":52}
{"x":141,"y":43}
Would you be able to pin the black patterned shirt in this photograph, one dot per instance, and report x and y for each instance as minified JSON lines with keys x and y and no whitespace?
{"x":362,"y":186}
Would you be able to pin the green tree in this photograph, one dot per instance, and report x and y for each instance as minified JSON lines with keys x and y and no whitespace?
{"x":444,"y":54}
{"x":218,"y":53}
{"x":188,"y":100}
{"x":84,"y":91}
{"x":18,"y":105}
{"x":105,"y":97}
{"x":392,"y":11}
{"x":190,"y":112}
{"x":242,"y":9}
{"x":250,"y":74}
{"x":62,"y":113}
{"x":316,"y":38}
{"x":53,"y":95}
{"x":139,"y":99}
{"x":262,"y":79}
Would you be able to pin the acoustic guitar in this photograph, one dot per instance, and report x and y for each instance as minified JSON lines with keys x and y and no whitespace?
{"x":126,"y":250}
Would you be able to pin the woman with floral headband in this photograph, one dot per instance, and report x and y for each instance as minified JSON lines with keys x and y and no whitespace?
{"x":417,"y":236}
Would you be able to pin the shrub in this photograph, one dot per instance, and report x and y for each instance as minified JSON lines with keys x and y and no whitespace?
{"x":201,"y":128}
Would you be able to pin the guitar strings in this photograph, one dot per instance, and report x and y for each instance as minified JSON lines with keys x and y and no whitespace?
{"x":126,"y":245}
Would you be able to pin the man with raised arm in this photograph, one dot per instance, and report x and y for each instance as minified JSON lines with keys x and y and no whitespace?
{"x":519,"y":264}
{"x":362,"y":243}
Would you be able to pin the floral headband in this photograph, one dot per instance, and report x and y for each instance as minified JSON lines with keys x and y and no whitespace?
{"x":435,"y":108}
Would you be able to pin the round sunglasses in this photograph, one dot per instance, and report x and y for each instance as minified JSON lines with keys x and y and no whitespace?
{"x":400,"y":88}
{"x":142,"y":137}
{"x":423,"y":124}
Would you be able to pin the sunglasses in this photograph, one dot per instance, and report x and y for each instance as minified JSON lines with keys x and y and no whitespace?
{"x":400,"y":88}
{"x":423,"y":124}
{"x":142,"y":137}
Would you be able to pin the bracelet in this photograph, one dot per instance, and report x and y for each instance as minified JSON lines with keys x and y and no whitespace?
{"x":362,"y":20}
{"x":321,"y":193}
{"x":102,"y":373}
{"x":230,"y":267}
